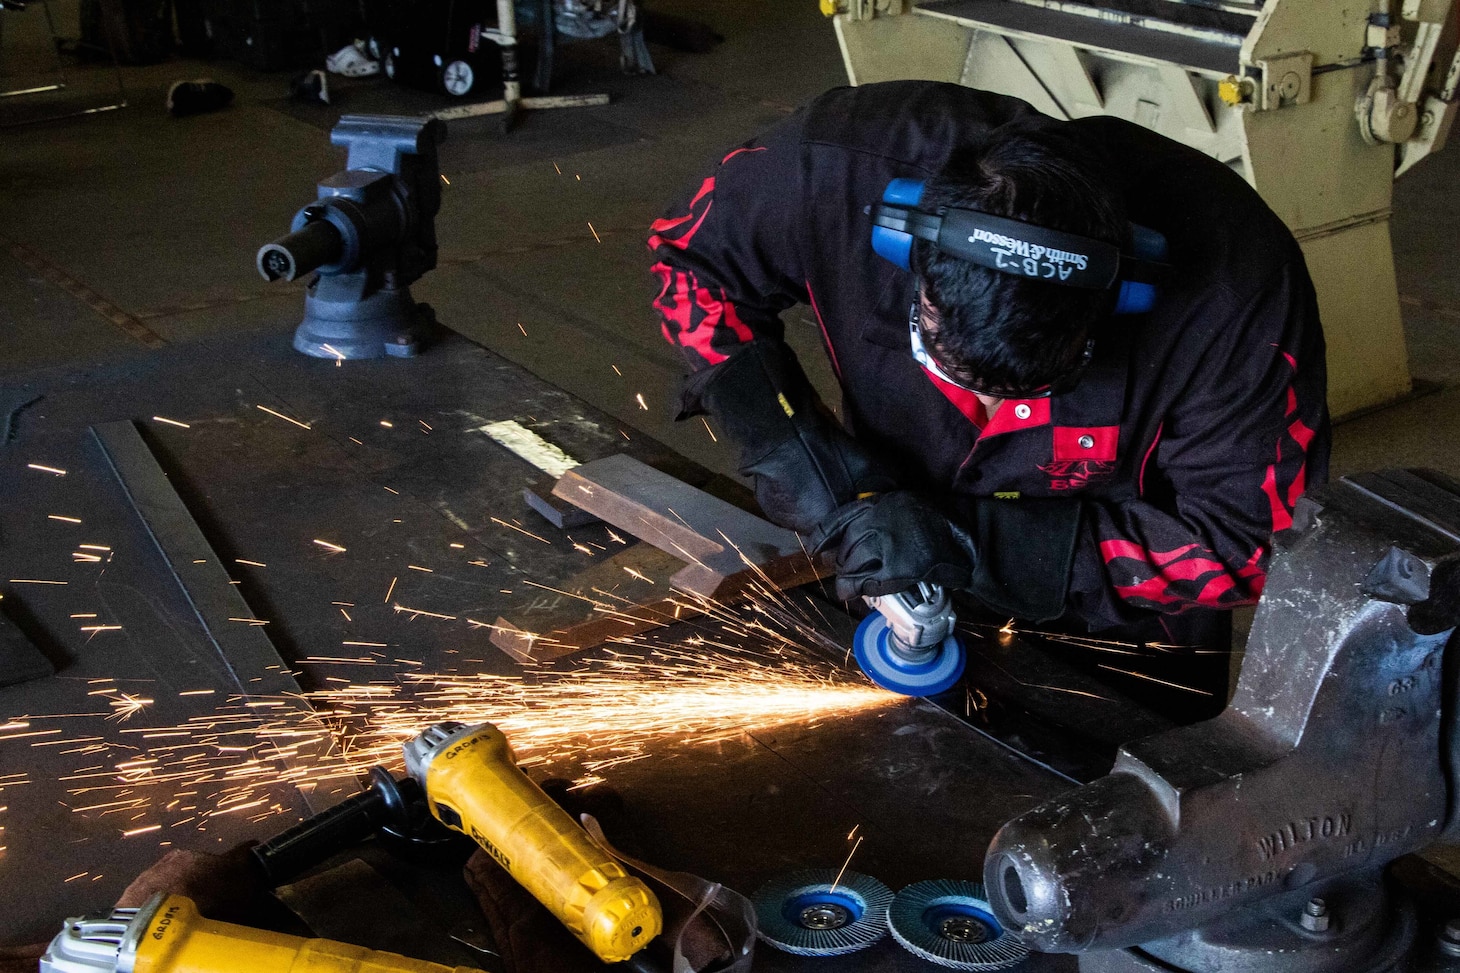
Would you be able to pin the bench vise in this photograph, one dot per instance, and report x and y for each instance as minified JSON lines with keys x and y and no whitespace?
{"x":1258,"y":840}
{"x":368,"y":237}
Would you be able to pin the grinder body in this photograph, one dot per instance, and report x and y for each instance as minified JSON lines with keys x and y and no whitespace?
{"x":907,"y":643}
{"x":473,"y":785}
{"x":167,"y":935}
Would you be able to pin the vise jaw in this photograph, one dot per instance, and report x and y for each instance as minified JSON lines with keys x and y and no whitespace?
{"x":1336,"y":755}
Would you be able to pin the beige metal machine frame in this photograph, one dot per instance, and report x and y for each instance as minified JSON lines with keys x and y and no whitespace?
{"x":1320,"y":104}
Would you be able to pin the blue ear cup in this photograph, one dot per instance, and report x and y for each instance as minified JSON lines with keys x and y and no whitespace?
{"x":890,"y":244}
{"x":1136,"y":297}
{"x":1133,"y":296}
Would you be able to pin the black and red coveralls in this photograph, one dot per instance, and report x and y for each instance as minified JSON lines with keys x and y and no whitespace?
{"x":1187,"y":442}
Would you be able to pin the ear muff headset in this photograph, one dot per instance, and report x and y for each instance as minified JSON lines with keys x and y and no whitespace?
{"x":1023,"y":249}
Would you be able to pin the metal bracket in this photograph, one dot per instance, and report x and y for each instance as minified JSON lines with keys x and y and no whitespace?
{"x":1287,"y":80}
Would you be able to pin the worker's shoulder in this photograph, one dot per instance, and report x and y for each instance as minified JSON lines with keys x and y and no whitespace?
{"x":916,"y":122}
{"x":1218,"y":228}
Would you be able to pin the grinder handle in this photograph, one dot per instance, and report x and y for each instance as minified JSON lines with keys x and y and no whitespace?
{"x":331,"y":831}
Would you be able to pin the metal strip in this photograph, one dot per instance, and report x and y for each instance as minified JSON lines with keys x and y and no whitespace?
{"x":256,"y":665}
{"x":121,"y":320}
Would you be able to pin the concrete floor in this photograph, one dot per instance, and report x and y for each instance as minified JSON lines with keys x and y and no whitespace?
{"x":160,"y":217}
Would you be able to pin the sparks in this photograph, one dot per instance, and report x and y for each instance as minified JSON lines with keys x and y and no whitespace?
{"x":742,"y":670}
{"x":390,"y":589}
{"x":171,"y":422}
{"x":252,"y":564}
{"x":63,"y":519}
{"x":843,"y":869}
{"x":639,"y":397}
{"x":280,"y":415}
{"x":53,"y":470}
{"x":332,"y":548}
{"x":713,"y":437}
{"x":595,"y":233}
{"x":519,"y":530}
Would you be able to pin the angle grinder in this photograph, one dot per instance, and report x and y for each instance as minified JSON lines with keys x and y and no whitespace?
{"x":906,"y":644}
{"x":473,"y":786}
{"x":166,"y":935}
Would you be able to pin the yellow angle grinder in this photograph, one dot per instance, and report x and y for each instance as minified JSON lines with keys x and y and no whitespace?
{"x":167,"y":935}
{"x":473,"y":785}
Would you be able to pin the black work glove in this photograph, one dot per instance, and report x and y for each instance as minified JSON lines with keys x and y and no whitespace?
{"x":804,"y":464}
{"x":888,"y":543}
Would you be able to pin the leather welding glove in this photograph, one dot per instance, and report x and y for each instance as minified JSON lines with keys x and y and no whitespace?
{"x":888,"y":543}
{"x":1014,"y":556}
{"x":804,"y":464}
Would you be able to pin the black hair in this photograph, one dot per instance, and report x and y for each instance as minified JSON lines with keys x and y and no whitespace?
{"x":997,"y":329}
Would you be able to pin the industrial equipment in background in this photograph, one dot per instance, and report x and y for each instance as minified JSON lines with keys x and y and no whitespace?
{"x":167,"y":935}
{"x":1258,"y":840}
{"x":907,"y":643}
{"x":461,"y":47}
{"x":473,"y":786}
{"x":367,"y":238}
{"x":1319,"y":104}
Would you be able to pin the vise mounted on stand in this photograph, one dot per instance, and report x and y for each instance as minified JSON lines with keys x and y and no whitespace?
{"x":1258,"y":840}
{"x":369,"y":236}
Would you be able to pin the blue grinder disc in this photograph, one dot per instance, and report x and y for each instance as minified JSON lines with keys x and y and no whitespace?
{"x":935,"y":675}
{"x":815,"y":913}
{"x":950,"y":923}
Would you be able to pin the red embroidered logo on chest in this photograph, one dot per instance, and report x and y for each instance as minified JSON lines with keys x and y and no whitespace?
{"x":1077,"y":474}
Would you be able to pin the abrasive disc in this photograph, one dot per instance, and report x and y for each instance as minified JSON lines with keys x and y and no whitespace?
{"x":950,"y":922}
{"x":813,"y":913}
{"x":883,"y":666}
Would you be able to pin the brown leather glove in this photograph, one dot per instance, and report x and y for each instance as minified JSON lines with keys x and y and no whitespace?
{"x":225,"y":887}
{"x":21,"y":959}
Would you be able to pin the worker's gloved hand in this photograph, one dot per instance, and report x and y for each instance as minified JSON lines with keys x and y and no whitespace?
{"x":888,"y":543}
{"x":804,"y":464}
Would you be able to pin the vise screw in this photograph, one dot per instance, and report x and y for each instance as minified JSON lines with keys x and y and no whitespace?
{"x":369,"y":235}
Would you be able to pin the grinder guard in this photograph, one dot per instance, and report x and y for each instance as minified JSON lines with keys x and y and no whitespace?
{"x":1334,"y":757}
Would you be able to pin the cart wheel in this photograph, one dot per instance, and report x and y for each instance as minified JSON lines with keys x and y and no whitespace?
{"x":389,"y":65}
{"x":458,"y":78}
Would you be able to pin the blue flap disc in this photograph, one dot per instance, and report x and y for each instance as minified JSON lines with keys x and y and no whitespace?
{"x":950,"y":923}
{"x":815,"y":913}
{"x":937,"y":673}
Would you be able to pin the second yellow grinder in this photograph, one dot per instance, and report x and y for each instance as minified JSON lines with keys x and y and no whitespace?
{"x":473,"y":785}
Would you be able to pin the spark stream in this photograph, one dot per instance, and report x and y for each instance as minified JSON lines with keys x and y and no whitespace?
{"x":611,"y":711}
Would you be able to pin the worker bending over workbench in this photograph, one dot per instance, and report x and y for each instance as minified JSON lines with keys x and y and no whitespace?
{"x":1102,"y":424}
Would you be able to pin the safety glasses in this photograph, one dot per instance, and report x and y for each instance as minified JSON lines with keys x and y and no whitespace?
{"x":1059,"y":386}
